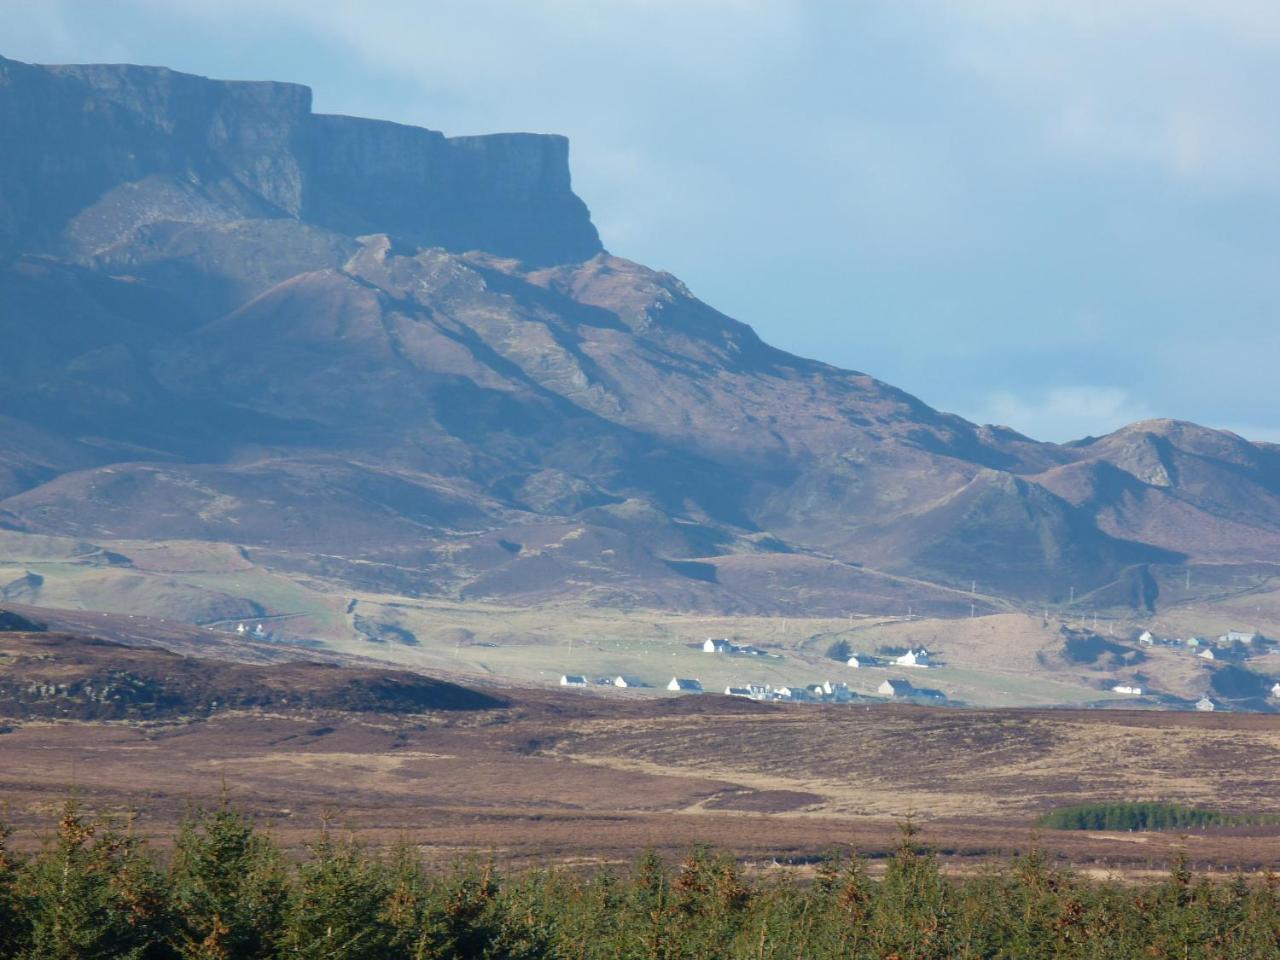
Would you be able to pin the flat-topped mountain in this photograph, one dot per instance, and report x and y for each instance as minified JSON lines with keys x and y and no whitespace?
{"x":385,"y":357}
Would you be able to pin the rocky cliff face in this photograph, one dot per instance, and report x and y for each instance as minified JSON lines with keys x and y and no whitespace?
{"x":96,"y":153}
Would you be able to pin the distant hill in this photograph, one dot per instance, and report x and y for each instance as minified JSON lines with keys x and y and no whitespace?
{"x":405,"y":361}
{"x":61,"y":676}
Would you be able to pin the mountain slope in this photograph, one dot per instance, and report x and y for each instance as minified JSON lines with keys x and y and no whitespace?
{"x":384,"y":356}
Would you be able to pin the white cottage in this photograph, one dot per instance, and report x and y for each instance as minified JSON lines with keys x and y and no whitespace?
{"x":572,"y":680}
{"x":913,"y":658}
{"x":1238,"y":636}
{"x":738,"y":692}
{"x":682,"y":685}
{"x":1275,"y":691}
{"x":1205,"y":705}
{"x":853,"y":662}
{"x":1206,"y":654}
{"x":1146,"y":638}
{"x":715,"y":646}
{"x":1128,"y":688}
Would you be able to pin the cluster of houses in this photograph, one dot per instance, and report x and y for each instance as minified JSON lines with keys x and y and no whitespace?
{"x":1129,"y":688}
{"x":711,"y":645}
{"x":1203,"y":648}
{"x":826,"y":692}
{"x":917,"y":658}
{"x":257,"y":631}
{"x":576,"y":680}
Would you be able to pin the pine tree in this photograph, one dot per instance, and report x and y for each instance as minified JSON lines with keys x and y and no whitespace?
{"x":338,"y":907}
{"x":12,"y":929}
{"x":228,"y":887}
{"x":91,"y":893}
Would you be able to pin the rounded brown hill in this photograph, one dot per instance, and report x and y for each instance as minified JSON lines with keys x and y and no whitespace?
{"x":59,"y":676}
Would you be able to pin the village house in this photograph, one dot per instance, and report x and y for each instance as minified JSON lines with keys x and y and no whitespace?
{"x":853,"y":662}
{"x":1128,"y":688}
{"x":739,"y":692}
{"x":913,"y":658}
{"x":758,"y":690}
{"x":1206,"y":705}
{"x":572,"y":680}
{"x":716,"y":646}
{"x":1146,"y":638}
{"x":1238,"y":636}
{"x":1193,"y":642}
{"x":628,"y":682}
{"x":895,"y":688}
{"x":1206,"y":654}
{"x":682,"y":685}
{"x":1275,"y":690}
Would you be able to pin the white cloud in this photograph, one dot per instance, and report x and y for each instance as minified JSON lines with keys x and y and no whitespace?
{"x":1065,"y":413}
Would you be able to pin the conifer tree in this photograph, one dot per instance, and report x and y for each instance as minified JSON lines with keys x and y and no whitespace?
{"x":338,"y":907}
{"x":228,"y":887}
{"x":12,"y":928}
{"x":91,"y":894}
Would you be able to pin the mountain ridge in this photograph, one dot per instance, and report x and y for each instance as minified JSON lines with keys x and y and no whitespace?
{"x":351,"y":346}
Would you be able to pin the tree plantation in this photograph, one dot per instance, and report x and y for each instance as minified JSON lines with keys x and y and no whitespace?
{"x":225,"y":890}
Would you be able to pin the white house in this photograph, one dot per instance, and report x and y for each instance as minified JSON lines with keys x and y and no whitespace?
{"x":895,"y":688}
{"x":1146,"y":638}
{"x":738,"y":692}
{"x":716,"y":646}
{"x":1193,"y":642}
{"x":241,"y":629}
{"x":627,"y":682}
{"x":853,"y":662}
{"x":758,"y":690}
{"x":572,"y":680}
{"x":1206,"y":654}
{"x":1275,"y":691}
{"x":1127,"y":688}
{"x":681,"y":685}
{"x":914,"y":658}
{"x":1206,"y":705}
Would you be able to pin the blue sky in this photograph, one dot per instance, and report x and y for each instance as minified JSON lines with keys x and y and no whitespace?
{"x":1060,"y":215}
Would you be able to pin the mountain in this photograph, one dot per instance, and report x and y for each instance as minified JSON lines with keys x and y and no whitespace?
{"x":379,"y":356}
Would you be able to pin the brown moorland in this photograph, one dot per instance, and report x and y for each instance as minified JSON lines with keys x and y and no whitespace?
{"x":549,"y":777}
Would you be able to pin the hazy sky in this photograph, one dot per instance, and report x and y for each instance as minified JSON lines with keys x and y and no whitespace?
{"x":1061,"y":216}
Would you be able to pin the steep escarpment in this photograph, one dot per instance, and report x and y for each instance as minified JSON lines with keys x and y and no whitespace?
{"x":96,"y":152}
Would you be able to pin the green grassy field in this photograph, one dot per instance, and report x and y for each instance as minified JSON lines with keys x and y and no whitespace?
{"x":1007,"y":659}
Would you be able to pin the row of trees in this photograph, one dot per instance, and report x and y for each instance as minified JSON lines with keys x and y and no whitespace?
{"x":226,"y":892}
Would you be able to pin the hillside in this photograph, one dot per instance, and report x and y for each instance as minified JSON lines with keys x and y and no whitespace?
{"x":376,"y":360}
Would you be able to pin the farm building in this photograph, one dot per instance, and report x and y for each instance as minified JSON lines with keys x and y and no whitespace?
{"x":572,"y":680}
{"x":682,"y":685}
{"x":1206,"y":705}
{"x":853,"y":662}
{"x":1128,"y":688}
{"x":1206,"y":654}
{"x":739,"y":692}
{"x":1275,"y":690}
{"x":716,"y":646}
{"x":627,"y":682}
{"x":895,"y":688}
{"x":1146,"y":638}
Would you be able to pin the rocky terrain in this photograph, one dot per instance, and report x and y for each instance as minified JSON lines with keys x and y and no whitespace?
{"x":387,"y":360}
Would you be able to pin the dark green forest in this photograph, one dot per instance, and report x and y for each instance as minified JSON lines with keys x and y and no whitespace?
{"x":1143,"y":816}
{"x":225,"y":891}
